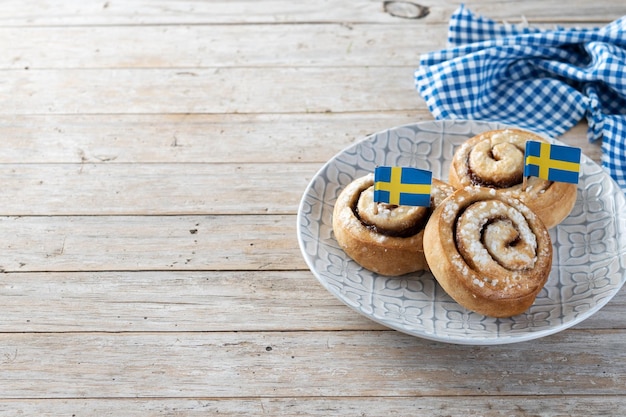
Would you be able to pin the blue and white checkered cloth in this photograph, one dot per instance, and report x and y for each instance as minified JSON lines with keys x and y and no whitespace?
{"x":542,"y":80}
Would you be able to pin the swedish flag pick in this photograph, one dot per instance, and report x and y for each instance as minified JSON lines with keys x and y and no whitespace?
{"x":402,"y":186}
{"x":552,"y":162}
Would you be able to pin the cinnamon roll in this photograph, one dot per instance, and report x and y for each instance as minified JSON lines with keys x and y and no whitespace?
{"x":495,"y":159}
{"x":383,"y":238}
{"x":489,"y":251}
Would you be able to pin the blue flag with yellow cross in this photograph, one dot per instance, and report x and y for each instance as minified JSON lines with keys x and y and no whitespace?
{"x":402,"y":186}
{"x":552,"y":162}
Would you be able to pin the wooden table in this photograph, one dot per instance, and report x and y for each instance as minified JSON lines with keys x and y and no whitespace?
{"x":152,"y":160}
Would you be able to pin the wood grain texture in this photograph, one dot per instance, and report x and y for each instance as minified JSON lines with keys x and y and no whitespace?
{"x":207,"y":46}
{"x":208,"y":90}
{"x":191,"y":138}
{"x":306,"y":364}
{"x":514,"y":406}
{"x":136,"y":243}
{"x":174,"y":301}
{"x":146,"y":12}
{"x":154,"y":189}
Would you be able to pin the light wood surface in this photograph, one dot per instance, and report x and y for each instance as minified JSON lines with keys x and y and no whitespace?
{"x":153,"y":156}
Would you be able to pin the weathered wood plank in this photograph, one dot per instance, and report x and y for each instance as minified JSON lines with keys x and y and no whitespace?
{"x":190,"y":138}
{"x":136,"y":243}
{"x":218,"y":46}
{"x":311,"y":364}
{"x":97,"y":12}
{"x":153,"y":189}
{"x":537,"y":11}
{"x":203,"y":90}
{"x":193,"y":301}
{"x":204,"y":138}
{"x":492,"y":406}
{"x":173,"y":302}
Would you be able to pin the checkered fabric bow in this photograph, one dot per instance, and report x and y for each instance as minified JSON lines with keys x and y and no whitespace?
{"x":542,"y":80}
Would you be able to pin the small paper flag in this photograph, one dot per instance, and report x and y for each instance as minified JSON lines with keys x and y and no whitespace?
{"x":552,"y":162}
{"x":402,"y":186}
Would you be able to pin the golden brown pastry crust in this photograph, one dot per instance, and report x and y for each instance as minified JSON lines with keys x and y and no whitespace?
{"x":495,"y":159}
{"x":488,"y":251}
{"x":384,"y":239}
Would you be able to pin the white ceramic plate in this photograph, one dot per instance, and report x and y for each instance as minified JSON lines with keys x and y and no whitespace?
{"x":589,"y":264}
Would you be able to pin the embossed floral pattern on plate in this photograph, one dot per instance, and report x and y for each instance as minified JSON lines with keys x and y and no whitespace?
{"x":589,"y":262}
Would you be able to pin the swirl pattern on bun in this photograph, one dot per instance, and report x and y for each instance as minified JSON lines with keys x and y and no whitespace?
{"x":488,"y":251}
{"x":383,"y":238}
{"x":495,"y":159}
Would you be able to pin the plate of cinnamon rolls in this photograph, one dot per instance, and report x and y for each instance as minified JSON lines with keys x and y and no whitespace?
{"x":496,"y":258}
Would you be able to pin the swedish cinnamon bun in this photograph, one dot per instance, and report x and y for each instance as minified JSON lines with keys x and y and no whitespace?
{"x":495,"y":159}
{"x":489,"y":251}
{"x":383,"y":238}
